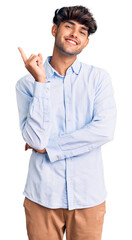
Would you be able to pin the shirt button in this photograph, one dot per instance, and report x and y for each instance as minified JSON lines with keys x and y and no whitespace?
{"x":69,"y":159}
{"x":69,"y":179}
{"x":56,"y":158}
{"x":68,"y":120}
{"x":67,"y":99}
{"x":47,"y":90}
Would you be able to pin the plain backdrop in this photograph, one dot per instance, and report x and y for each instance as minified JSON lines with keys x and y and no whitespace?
{"x":27,"y":24}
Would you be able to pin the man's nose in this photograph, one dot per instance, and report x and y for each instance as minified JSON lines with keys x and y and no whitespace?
{"x":74,"y":33}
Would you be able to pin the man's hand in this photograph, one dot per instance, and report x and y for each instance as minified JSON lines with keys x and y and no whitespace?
{"x":34,"y":64}
{"x":36,"y":150}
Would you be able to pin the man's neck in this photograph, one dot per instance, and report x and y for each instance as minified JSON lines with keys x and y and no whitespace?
{"x":61,"y":62}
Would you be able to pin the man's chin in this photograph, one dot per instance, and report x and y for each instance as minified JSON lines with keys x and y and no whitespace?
{"x":68,"y":53}
{"x":71,"y":54}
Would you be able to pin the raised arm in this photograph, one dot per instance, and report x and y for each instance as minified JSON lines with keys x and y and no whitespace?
{"x":33,"y":100}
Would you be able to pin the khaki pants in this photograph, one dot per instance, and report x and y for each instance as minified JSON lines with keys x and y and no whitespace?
{"x":43,"y":223}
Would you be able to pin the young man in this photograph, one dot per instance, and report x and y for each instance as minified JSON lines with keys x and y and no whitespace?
{"x":67,"y":112}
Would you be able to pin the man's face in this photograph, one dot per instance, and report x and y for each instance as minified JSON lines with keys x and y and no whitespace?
{"x":71,"y":37}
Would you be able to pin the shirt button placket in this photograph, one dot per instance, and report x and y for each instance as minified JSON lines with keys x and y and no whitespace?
{"x":67,"y":87}
{"x":69,"y":171}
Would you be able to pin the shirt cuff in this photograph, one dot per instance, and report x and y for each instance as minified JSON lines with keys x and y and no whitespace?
{"x":54,"y":151}
{"x":42,"y":89}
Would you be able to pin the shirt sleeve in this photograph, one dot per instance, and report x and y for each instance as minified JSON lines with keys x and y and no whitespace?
{"x":34,"y":112}
{"x":94,"y":134}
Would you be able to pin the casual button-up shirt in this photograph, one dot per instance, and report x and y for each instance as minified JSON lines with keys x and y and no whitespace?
{"x":70,"y":116}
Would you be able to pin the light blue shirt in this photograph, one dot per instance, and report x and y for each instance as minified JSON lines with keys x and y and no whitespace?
{"x":70,"y":116}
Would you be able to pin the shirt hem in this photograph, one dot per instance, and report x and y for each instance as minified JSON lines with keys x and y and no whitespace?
{"x":80,"y":206}
{"x":44,"y":204}
{"x":76,"y":206}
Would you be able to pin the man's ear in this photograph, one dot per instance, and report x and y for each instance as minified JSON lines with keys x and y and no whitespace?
{"x":54,"y":30}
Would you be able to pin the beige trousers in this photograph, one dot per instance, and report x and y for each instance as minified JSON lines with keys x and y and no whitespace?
{"x":43,"y":223}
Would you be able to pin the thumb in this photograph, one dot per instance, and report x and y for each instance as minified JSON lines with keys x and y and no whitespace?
{"x":27,"y":147}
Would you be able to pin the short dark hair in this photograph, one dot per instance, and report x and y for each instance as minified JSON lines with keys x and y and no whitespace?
{"x":77,"y":13}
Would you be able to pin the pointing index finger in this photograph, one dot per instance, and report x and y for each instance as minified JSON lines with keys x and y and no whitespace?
{"x":22,"y":54}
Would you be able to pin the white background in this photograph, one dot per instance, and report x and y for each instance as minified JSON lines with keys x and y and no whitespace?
{"x":28,"y":24}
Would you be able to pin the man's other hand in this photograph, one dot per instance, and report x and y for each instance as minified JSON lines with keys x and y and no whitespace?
{"x":36,"y":150}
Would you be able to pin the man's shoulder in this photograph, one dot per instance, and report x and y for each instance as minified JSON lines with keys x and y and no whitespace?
{"x":93,"y":68}
{"x":25,"y":84}
{"x":95,"y":74}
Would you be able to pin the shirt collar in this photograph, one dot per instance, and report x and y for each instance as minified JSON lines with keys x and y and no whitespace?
{"x":76,"y":66}
{"x":50,"y":71}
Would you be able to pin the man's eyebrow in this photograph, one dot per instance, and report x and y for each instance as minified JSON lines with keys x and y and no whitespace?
{"x":72,"y":23}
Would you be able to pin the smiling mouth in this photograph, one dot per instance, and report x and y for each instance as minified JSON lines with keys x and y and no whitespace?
{"x":72,"y":42}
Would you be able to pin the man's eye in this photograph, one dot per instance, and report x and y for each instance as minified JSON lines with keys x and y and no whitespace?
{"x":68,"y":26}
{"x":82,"y":33}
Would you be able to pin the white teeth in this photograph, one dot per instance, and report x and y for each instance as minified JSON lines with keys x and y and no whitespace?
{"x":71,"y":41}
